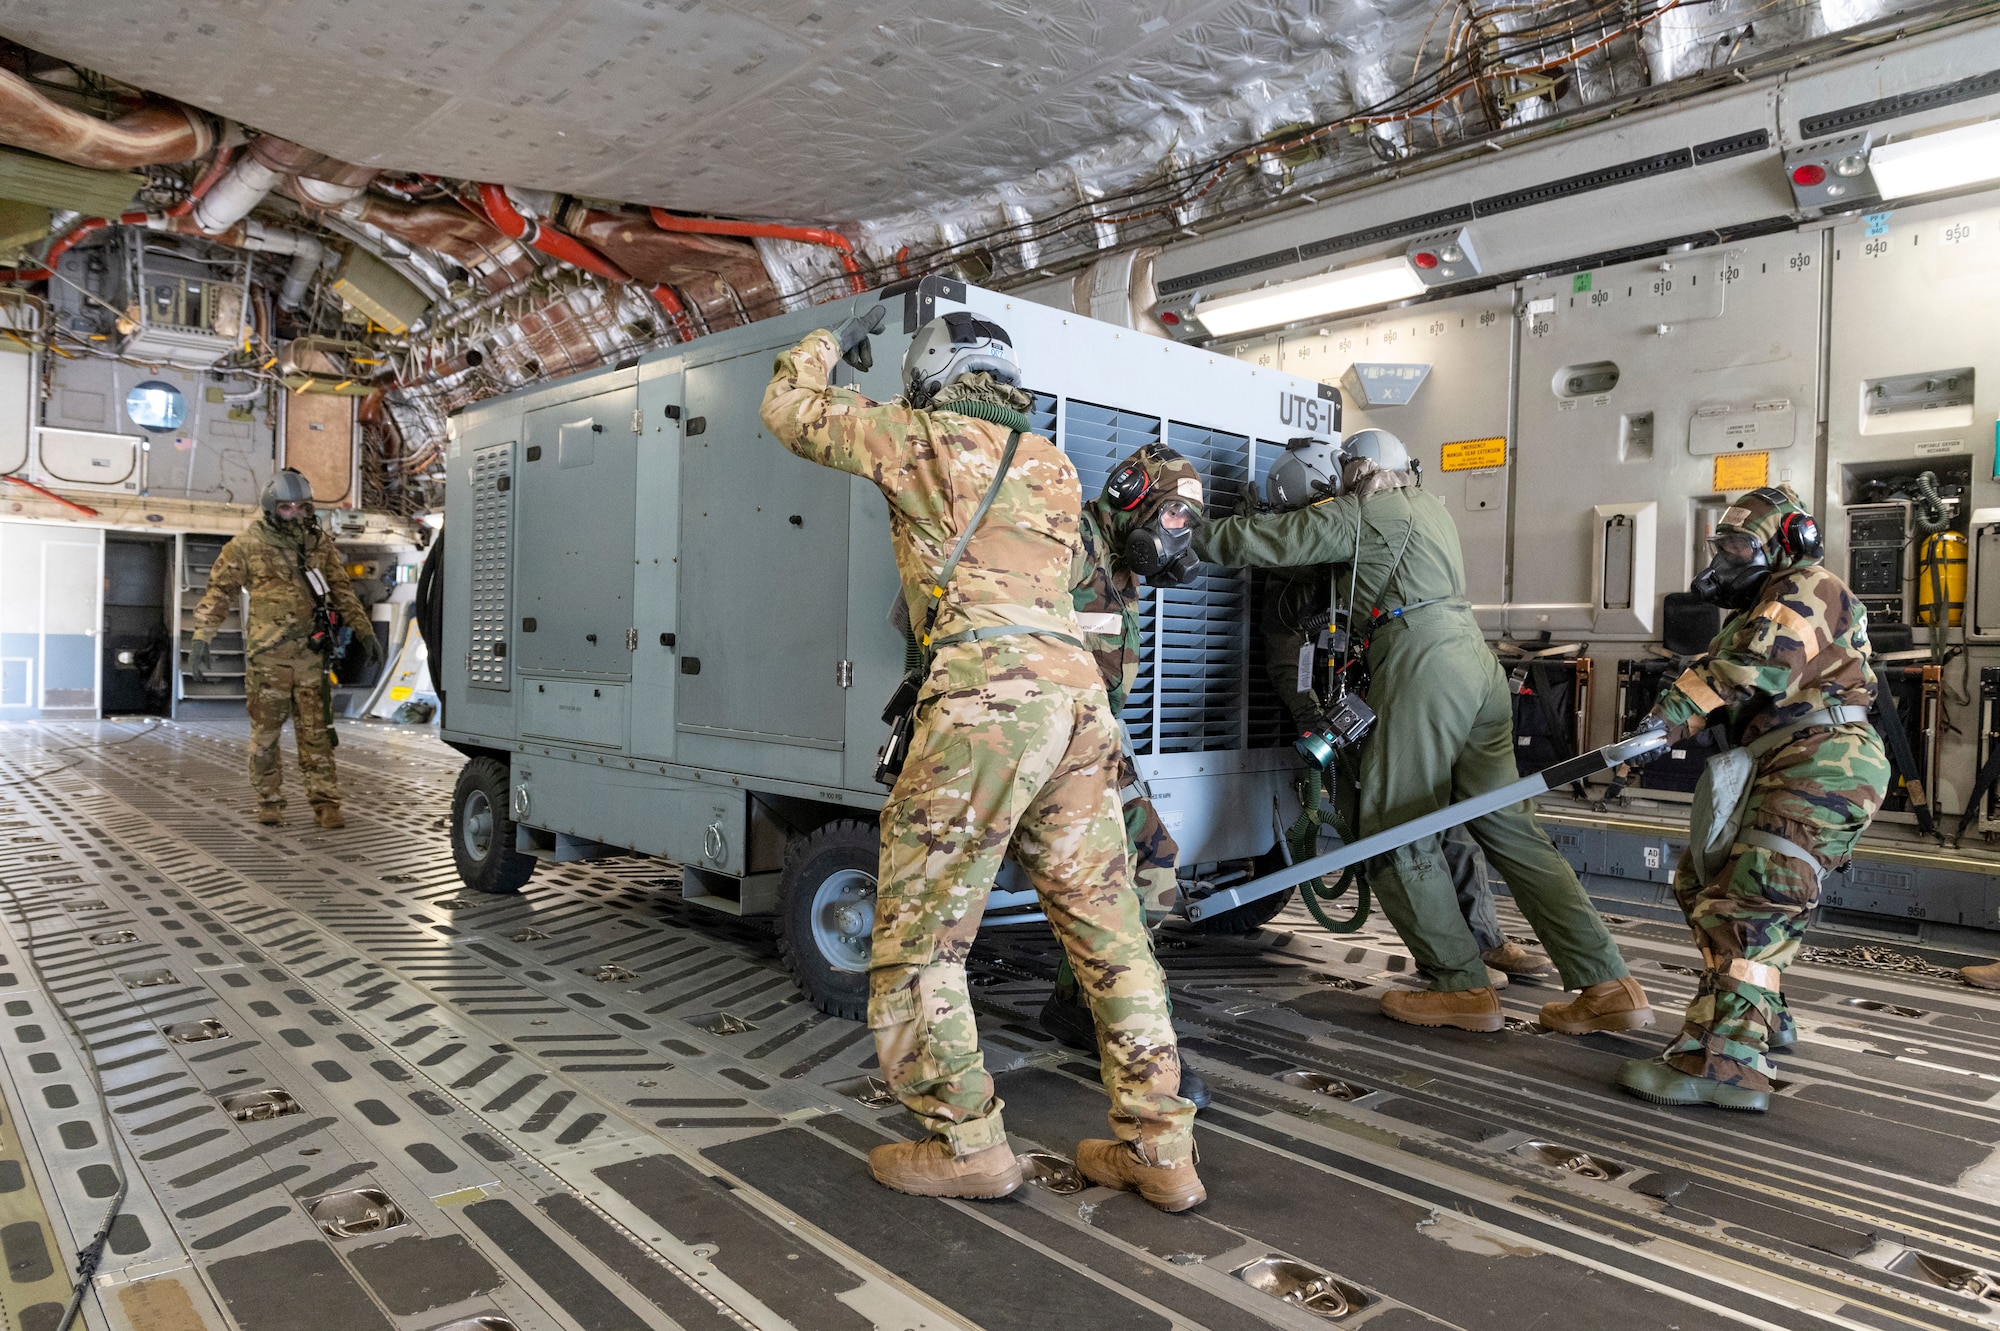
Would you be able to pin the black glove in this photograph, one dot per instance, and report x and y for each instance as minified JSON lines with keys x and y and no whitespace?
{"x":853,"y":337}
{"x":1652,"y":725}
{"x":199,"y":661}
{"x":371,"y":647}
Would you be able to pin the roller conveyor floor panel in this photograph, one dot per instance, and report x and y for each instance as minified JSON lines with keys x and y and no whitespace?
{"x":349,"y":1094}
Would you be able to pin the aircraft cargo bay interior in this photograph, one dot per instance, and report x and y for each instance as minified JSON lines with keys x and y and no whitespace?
{"x":1195,"y":665}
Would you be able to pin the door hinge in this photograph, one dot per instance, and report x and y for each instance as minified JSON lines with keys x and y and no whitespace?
{"x":631,"y":640}
{"x":843,"y":674}
{"x":636,"y":423}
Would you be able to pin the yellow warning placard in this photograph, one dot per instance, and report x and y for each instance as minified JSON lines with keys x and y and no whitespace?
{"x":1742,"y":471}
{"x":1473,"y":454}
{"x":399,"y":692}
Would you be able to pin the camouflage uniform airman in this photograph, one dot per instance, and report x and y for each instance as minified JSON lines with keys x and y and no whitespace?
{"x":284,"y":677}
{"x":1801,"y":648}
{"x":1107,"y":599}
{"x":1016,"y":748}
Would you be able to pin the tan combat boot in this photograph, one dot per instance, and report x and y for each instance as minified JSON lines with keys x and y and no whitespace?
{"x":1511,"y":958}
{"x":328,"y":815}
{"x":1615,"y":1005}
{"x":1114,"y":1164}
{"x":1982,"y":977}
{"x":1466,"y":1009}
{"x":271,"y":815}
{"x":929,"y":1169}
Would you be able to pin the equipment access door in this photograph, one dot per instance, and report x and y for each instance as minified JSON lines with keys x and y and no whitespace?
{"x":573,"y":537}
{"x":763,"y":576}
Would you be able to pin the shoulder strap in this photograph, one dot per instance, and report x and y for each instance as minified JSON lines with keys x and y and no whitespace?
{"x":306,"y":572}
{"x":965,"y":539}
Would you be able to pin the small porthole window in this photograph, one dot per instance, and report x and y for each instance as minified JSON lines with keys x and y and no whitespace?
{"x":157,"y":406}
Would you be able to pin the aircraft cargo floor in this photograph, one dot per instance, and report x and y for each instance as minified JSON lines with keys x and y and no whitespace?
{"x":592,"y":1106}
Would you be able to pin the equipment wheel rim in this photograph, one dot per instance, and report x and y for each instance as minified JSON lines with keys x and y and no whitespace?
{"x":843,"y":918}
{"x":476,"y":825}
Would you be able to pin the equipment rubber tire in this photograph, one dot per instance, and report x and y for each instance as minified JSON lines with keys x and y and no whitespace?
{"x":483,"y":849}
{"x":1252,"y":915}
{"x":845,"y":850}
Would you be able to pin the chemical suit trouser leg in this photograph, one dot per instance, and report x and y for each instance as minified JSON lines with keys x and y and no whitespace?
{"x":1444,"y":733}
{"x":1031,"y":764}
{"x":290,"y":685}
{"x":1749,"y":917}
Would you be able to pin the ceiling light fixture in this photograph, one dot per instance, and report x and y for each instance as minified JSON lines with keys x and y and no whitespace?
{"x":1336,"y":292}
{"x":1949,"y":159}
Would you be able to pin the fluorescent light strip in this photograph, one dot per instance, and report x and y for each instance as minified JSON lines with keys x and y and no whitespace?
{"x":1353,"y":288}
{"x":1929,"y":163}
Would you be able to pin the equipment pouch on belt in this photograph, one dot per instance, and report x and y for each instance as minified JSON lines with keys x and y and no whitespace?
{"x":901,"y":713}
{"x":1722,"y":796}
{"x":1720,"y":800}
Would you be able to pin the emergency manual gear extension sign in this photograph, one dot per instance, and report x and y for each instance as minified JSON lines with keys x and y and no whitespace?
{"x":1473,"y":454}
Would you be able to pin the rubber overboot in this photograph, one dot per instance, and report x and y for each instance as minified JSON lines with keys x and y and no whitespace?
{"x":1511,"y":958}
{"x":1651,"y":1079}
{"x":1114,"y":1164}
{"x":929,"y":1169}
{"x":328,"y":815}
{"x":271,"y":815}
{"x":1982,"y":977}
{"x":1465,"y":1009}
{"x":1193,"y":1089}
{"x":1067,"y":1020}
{"x":1614,"y":1005}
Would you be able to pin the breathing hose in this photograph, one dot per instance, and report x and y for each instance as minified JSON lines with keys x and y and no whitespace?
{"x":1316,"y":892}
{"x":1931,"y":517}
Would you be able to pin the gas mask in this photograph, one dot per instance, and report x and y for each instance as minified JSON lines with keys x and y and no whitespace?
{"x":1735,"y":572}
{"x":293,"y":490}
{"x":1155,"y":498}
{"x":1161,"y":549}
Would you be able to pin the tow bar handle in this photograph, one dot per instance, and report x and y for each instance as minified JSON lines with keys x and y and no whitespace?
{"x":1566,"y":772}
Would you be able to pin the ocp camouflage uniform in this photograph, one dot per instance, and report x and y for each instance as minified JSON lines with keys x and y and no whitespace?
{"x":1802,"y":647}
{"x":284,"y":678}
{"x":1015,"y":748}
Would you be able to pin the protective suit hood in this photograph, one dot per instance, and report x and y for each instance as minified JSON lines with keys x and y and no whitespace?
{"x":1150,"y":508}
{"x":1766,"y":531}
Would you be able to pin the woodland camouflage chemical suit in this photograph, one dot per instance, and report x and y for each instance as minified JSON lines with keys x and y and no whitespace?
{"x":1015,"y":748}
{"x":285,"y":677}
{"x":1788,"y":682}
{"x":1444,"y":732}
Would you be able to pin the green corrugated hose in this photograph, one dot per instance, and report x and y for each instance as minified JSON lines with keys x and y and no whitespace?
{"x":1303,"y":838}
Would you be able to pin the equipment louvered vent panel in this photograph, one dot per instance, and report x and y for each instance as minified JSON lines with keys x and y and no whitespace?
{"x":1096,"y":439}
{"x":1043,"y":413}
{"x":1271,"y":724}
{"x":492,"y":513}
{"x":1203,"y":656}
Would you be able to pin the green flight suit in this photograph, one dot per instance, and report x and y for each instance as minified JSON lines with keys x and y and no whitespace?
{"x":1444,"y":725}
